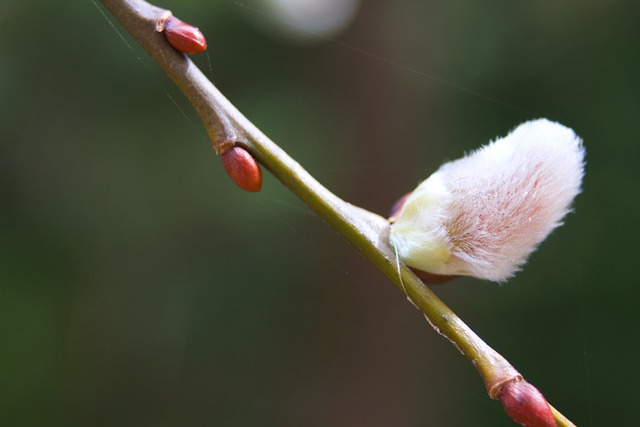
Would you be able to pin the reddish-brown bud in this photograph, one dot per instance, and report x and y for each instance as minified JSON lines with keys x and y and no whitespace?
{"x":184,"y":37}
{"x":242,"y":168}
{"x":526,"y":405}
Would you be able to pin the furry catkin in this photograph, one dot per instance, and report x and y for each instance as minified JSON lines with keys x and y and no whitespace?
{"x":482,"y":215}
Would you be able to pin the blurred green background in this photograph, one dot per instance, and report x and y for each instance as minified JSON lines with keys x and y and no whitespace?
{"x":139,"y":286}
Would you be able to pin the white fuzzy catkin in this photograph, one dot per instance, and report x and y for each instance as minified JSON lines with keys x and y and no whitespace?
{"x":483,"y":215}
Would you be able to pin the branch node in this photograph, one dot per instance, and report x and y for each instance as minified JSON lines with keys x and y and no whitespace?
{"x":162,"y":20}
{"x":496,"y":387}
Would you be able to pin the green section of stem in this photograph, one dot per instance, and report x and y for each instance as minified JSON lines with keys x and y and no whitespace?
{"x":367,"y":231}
{"x":561,"y":420}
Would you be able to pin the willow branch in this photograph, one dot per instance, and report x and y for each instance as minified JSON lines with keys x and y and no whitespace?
{"x":367,"y":231}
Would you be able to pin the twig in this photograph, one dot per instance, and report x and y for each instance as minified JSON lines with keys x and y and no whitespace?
{"x":226,"y":127}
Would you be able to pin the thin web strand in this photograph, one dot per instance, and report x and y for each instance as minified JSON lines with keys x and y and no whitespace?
{"x":384,"y":60}
{"x":105,"y":16}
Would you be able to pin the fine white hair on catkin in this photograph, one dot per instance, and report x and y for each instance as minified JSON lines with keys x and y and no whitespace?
{"x":484,"y":214}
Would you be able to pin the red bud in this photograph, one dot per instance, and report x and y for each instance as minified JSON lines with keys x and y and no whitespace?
{"x":242,"y":168}
{"x":526,"y":405}
{"x":184,"y":37}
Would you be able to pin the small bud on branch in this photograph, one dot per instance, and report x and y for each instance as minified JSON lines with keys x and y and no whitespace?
{"x":243,"y":169}
{"x":526,"y":405}
{"x":182,"y":36}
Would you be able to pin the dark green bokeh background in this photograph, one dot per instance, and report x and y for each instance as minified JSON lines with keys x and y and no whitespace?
{"x":139,"y":287}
